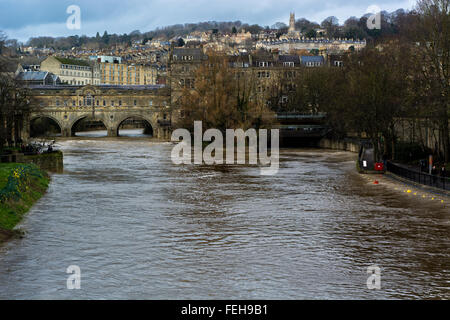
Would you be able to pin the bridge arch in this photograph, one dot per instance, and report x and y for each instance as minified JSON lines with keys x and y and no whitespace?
{"x":33,"y":130}
{"x":73,"y":125}
{"x":151,"y":124}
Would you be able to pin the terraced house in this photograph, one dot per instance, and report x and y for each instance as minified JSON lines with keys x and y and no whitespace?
{"x":72,"y":71}
{"x":127,"y":74}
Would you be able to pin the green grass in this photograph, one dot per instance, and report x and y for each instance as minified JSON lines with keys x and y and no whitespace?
{"x":13,"y":210}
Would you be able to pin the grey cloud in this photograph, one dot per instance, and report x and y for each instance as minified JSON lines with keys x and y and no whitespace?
{"x":22,"y":19}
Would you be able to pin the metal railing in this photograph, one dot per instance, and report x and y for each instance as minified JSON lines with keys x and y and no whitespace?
{"x":435,"y":181}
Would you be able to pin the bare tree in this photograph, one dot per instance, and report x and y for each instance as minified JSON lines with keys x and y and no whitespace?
{"x":222,"y":97}
{"x":14,"y":103}
{"x":432,"y":33}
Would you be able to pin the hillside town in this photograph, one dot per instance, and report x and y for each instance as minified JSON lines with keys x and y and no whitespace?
{"x":145,"y":61}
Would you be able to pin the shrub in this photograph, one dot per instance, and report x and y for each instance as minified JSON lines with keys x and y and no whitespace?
{"x":17,"y":182}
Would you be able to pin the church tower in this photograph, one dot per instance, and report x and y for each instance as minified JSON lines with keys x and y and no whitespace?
{"x":292,"y":23}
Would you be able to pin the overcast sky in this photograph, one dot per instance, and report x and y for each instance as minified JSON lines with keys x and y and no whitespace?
{"x":22,"y":19}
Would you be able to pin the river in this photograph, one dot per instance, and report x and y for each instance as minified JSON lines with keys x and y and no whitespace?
{"x":140,"y":227}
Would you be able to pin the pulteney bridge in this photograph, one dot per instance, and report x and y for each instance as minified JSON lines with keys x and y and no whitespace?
{"x":112,"y":105}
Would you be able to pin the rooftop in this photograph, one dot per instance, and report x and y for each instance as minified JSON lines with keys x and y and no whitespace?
{"x":312,"y":59}
{"x":32,"y":76}
{"x":74,"y":62}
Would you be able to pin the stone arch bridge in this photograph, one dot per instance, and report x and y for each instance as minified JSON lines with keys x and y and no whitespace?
{"x":111,"y":105}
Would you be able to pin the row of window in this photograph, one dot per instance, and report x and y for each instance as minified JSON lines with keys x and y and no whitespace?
{"x":119,"y":67}
{"x":187,"y":83}
{"x":266,"y":74}
{"x":288,"y":87}
{"x":81,"y":82}
{"x":240,"y":65}
{"x":89,"y":101}
{"x":69,"y":66}
{"x":112,"y":77}
{"x":183,"y":58}
{"x":290,"y":74}
{"x":288,"y":64}
{"x":75,"y":73}
{"x":313,"y":64}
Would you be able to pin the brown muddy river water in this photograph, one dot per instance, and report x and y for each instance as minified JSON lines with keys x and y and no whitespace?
{"x":140,"y":227}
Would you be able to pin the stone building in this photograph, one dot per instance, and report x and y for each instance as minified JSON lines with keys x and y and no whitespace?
{"x":72,"y":71}
{"x":275,"y":77}
{"x":292,"y":33}
{"x":241,"y":37}
{"x":182,"y":66}
{"x":330,"y":45}
{"x":271,"y":76}
{"x":125,"y":74}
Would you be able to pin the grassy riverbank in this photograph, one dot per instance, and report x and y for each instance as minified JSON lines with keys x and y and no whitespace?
{"x":21,"y":185}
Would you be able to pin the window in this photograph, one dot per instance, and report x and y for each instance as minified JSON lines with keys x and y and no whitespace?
{"x":88,"y":100}
{"x":150,"y":103}
{"x":104,"y":102}
{"x":120,"y":103}
{"x":135,"y":102}
{"x":112,"y":103}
